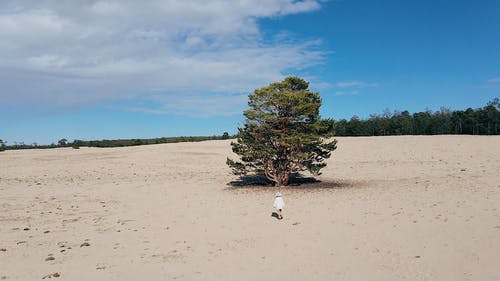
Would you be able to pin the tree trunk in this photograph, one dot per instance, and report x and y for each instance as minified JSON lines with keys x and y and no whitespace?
{"x":282,"y":179}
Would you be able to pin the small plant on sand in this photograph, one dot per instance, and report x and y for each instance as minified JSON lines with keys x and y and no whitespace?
{"x":283,"y":133}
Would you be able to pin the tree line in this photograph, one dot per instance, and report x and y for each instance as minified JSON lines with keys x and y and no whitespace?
{"x":113,"y":143}
{"x":481,"y":121}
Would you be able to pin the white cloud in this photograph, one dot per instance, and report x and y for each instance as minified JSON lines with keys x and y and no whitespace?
{"x":494,"y":80}
{"x":106,"y":7}
{"x":193,"y":105}
{"x":352,"y":88}
{"x":346,"y":93}
{"x":355,"y":84}
{"x":187,"y":55}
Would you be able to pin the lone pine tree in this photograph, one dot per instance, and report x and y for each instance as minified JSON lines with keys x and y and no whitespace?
{"x":283,"y":133}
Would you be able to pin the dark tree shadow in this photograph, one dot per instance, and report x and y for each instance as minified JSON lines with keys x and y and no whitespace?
{"x":251,"y":180}
{"x":297,"y":179}
{"x":296,"y":182}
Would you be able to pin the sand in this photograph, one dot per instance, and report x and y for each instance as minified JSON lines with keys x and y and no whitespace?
{"x":387,"y":208}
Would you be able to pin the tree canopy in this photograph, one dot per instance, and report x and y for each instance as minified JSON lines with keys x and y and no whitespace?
{"x":283,"y":133}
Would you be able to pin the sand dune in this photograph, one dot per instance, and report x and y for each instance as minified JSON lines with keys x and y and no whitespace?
{"x":387,"y":208}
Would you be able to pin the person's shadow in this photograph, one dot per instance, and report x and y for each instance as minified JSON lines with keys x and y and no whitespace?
{"x":275,"y":215}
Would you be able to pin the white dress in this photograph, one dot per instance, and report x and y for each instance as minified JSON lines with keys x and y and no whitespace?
{"x":279,"y":203}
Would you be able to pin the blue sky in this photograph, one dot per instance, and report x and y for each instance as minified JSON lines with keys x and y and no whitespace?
{"x":117,"y":69}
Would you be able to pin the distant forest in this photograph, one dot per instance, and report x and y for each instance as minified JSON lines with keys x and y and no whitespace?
{"x":481,"y":121}
{"x":113,"y":143}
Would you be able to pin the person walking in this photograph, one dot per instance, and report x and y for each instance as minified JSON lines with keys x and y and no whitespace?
{"x":279,"y":204}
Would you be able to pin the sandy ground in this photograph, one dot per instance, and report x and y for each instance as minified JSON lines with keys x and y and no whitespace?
{"x":387,"y":208}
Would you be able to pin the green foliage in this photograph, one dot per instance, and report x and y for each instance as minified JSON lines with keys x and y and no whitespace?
{"x":2,"y":145}
{"x":76,"y":144}
{"x":135,"y":142}
{"x":482,"y":121}
{"x":62,"y":142}
{"x":283,"y":132}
